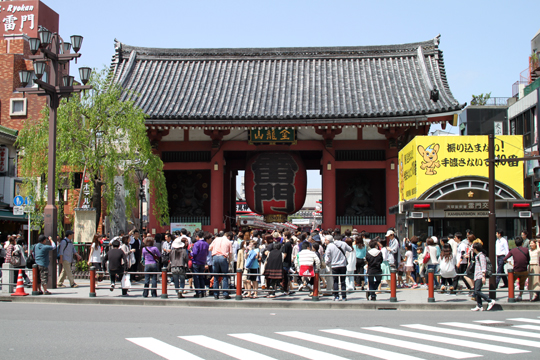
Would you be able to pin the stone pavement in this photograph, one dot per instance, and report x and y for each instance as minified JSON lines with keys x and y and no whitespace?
{"x":407,"y":299}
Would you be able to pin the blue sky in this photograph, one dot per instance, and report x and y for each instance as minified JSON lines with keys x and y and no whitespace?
{"x":486,"y":44}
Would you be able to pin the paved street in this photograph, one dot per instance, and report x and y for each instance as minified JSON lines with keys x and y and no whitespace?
{"x":121,"y":332}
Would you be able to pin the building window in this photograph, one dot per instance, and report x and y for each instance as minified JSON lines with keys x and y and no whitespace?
{"x":523,"y":125}
{"x":17,"y":107}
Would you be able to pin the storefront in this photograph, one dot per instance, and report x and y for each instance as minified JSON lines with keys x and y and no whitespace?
{"x":444,"y":187}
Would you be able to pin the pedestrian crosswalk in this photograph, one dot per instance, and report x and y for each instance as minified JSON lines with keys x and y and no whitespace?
{"x":513,"y":338}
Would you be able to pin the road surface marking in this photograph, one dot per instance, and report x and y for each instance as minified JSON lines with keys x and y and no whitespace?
{"x":489,"y":322}
{"x":505,"y":331}
{"x":471,"y":334}
{"x":403,"y":344}
{"x":447,"y":340}
{"x":528,"y":327}
{"x":533,"y":321}
{"x":228,"y":349}
{"x":163,"y":349}
{"x":287,"y":347}
{"x":361,"y":349}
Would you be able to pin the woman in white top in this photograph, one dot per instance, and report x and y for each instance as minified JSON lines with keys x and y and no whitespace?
{"x":534,"y":268}
{"x":433,"y":260}
{"x":94,"y":259}
{"x":447,"y":264}
{"x":351,"y":266}
{"x":409,"y":266}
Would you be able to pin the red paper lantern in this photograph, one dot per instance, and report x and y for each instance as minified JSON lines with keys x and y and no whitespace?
{"x":275,"y":185}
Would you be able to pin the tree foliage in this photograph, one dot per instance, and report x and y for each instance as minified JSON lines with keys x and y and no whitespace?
{"x":481,"y":99}
{"x":98,"y":131}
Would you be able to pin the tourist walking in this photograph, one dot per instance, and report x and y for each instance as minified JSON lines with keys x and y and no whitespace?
{"x":151,"y":256}
{"x":534,"y":268}
{"x":480,"y":270}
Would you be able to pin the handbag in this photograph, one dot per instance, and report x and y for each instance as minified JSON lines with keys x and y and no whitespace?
{"x":126,"y":281}
{"x":31,"y":260}
{"x":427,"y":256}
{"x":15,"y":259}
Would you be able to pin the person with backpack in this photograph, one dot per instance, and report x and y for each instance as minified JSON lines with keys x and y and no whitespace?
{"x":480,"y":274}
{"x":178,"y":265}
{"x":521,"y":258}
{"x":66,"y":252}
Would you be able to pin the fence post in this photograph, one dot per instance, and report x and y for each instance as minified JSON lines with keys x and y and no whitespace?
{"x":35,"y":275}
{"x":393,"y":285}
{"x":238,"y":284}
{"x":164,"y":283}
{"x":316,"y":283}
{"x":92,"y":281}
{"x":511,"y":284}
{"x":431,"y":290}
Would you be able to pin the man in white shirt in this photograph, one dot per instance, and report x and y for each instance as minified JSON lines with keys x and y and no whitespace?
{"x":393,"y":246}
{"x":501,"y":250}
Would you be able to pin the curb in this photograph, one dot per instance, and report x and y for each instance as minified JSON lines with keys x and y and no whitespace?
{"x":303,"y":304}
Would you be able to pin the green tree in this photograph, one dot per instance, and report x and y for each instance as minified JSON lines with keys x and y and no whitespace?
{"x":481,"y":99}
{"x":99,"y":132}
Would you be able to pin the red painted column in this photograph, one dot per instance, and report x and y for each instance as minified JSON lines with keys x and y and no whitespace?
{"x":328,"y":171}
{"x":216,"y":192}
{"x":392,"y":185}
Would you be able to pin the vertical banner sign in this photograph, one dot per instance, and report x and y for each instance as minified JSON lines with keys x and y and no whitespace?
{"x":4,"y":156}
{"x":428,"y":161}
{"x":85,"y":198}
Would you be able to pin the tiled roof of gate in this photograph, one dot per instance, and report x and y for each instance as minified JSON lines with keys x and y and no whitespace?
{"x":285,"y":83}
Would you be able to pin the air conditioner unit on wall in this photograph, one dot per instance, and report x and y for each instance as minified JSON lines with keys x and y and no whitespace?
{"x":416,"y":215}
{"x":525,"y":214}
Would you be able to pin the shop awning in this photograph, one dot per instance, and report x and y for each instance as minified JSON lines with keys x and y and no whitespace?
{"x":8,"y":215}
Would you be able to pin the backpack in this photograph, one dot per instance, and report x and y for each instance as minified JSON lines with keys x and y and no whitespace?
{"x":59,"y":246}
{"x":489,"y":268}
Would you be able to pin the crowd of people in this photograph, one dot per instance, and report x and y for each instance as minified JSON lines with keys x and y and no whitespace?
{"x":278,"y":263}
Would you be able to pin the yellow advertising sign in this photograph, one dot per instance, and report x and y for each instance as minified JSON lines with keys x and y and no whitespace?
{"x":429,"y":160}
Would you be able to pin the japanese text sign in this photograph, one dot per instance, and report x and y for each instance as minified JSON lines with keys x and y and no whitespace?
{"x":430,"y":160}
{"x":272,"y":136}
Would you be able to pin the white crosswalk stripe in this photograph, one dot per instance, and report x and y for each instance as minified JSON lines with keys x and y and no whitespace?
{"x":225,"y":348}
{"x":403,"y":344}
{"x":448,"y":340}
{"x":163,"y":349}
{"x":528,"y":327}
{"x":288,"y":347}
{"x":532,"y":321}
{"x":505,"y":331}
{"x":475,"y":335}
{"x":361,"y":349}
{"x":454,"y":336}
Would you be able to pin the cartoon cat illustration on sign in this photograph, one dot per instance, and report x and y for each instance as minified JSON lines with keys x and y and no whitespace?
{"x":430,"y":161}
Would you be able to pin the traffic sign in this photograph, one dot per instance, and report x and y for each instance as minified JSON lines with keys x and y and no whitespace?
{"x":18,"y":210}
{"x":28,"y":200}
{"x":18,"y":200}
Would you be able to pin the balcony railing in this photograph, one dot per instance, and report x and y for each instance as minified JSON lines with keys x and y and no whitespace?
{"x":203,"y":220}
{"x":497,"y":101}
{"x":361,"y":220}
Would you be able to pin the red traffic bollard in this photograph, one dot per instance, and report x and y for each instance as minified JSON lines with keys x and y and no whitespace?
{"x":164,"y":283}
{"x":238,"y":284}
{"x":393,"y":285}
{"x":92,"y":281}
{"x":431,"y":287}
{"x":511,"y":285}
{"x":35,"y":275}
{"x":316,"y":282}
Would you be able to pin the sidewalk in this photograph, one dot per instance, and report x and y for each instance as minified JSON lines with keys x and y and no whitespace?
{"x":407,"y":299}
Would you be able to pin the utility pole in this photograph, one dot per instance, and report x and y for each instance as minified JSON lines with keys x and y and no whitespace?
{"x":492,"y":217}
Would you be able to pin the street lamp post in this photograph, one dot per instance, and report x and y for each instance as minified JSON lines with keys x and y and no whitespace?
{"x":141,"y":175}
{"x":54,"y":53}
